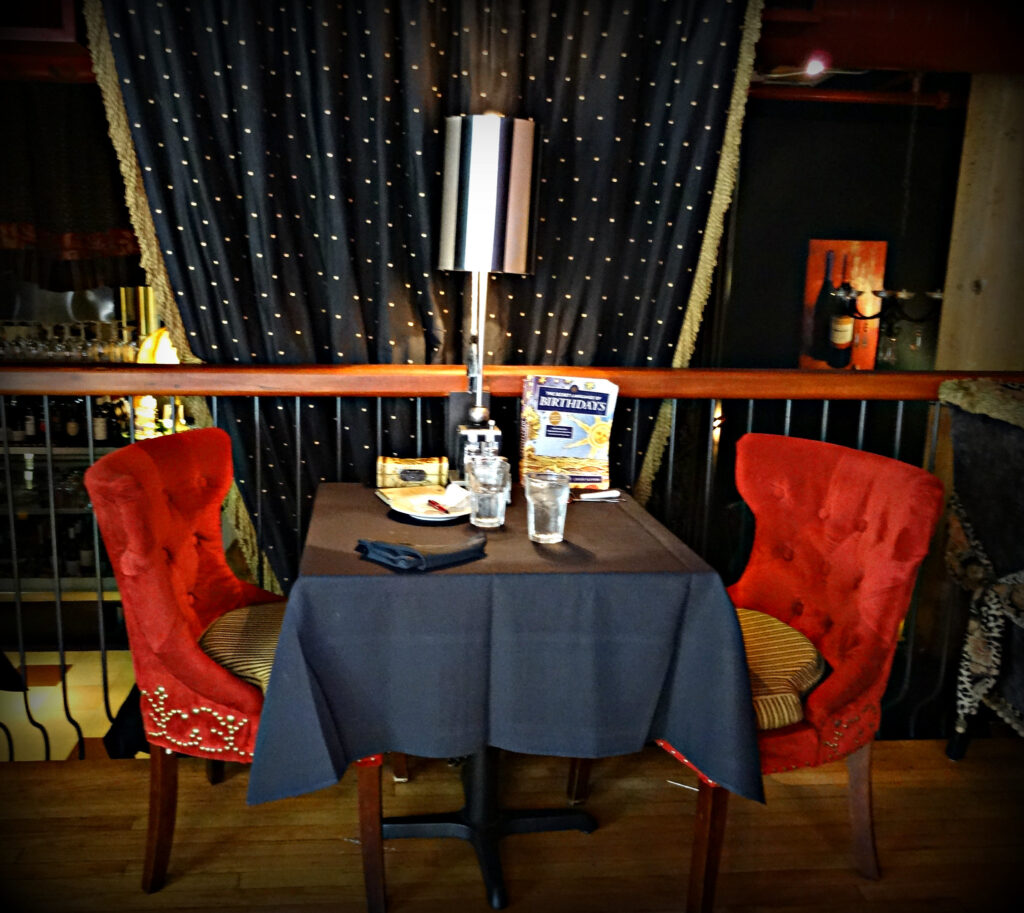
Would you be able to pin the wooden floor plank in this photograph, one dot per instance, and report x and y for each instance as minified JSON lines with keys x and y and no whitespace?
{"x":951,"y":840}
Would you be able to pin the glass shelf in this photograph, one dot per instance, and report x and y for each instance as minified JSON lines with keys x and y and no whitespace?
{"x":73,"y":589}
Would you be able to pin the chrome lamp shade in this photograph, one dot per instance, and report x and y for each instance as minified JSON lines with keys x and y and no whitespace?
{"x":488,"y":192}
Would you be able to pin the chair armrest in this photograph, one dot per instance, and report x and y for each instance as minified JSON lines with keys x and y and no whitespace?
{"x":250,"y":594}
{"x":863,"y":670}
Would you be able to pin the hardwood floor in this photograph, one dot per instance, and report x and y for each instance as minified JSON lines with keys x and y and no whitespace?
{"x":950,"y":839}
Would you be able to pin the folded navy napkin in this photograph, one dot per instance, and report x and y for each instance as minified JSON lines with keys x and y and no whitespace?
{"x":407,"y":557}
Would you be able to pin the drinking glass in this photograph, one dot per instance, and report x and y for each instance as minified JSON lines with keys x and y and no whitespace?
{"x":489,"y":481}
{"x":547,"y":496}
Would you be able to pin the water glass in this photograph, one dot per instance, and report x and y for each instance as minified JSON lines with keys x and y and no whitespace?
{"x":490,"y":481}
{"x":547,"y":495}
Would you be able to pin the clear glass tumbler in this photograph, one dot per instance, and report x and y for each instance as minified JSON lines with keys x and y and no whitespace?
{"x":489,"y":482}
{"x":547,"y":496}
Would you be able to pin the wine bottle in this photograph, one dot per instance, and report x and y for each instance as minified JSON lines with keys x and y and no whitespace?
{"x":824,"y":308}
{"x":15,"y":422}
{"x":86,"y":553}
{"x":101,"y":421}
{"x":29,"y":425}
{"x":72,"y":568}
{"x":841,"y":324}
{"x":74,"y":415}
{"x":119,"y":412}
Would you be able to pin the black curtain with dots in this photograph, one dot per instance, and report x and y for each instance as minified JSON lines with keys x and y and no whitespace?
{"x":292,"y":156}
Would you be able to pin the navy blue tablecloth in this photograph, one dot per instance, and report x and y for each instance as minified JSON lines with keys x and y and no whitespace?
{"x":589,"y":648}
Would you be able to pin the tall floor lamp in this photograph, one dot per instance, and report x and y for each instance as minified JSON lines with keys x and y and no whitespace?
{"x":489,"y":181}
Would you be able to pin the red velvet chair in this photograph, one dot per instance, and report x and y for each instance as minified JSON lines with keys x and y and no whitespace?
{"x":158,"y":504}
{"x":839,"y":537}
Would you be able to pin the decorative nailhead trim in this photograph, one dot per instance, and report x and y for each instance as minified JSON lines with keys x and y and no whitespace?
{"x":223,"y":727}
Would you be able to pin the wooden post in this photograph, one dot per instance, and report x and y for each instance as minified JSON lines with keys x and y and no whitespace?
{"x":981,"y":324}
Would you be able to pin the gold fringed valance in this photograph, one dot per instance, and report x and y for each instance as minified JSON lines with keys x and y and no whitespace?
{"x":725,"y":181}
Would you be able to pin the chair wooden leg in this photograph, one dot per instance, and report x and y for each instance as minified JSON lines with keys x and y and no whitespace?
{"x":578,"y":787}
{"x":865,"y":855}
{"x":370,"y":811}
{"x":214,"y":771}
{"x":163,"y":804}
{"x":708,"y":836}
{"x":399,"y":766}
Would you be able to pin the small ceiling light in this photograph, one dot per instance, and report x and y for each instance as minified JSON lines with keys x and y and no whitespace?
{"x":816,"y":64}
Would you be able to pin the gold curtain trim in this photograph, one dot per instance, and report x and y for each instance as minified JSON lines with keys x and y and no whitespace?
{"x":134,"y":190}
{"x":153,"y":262}
{"x":725,"y":182}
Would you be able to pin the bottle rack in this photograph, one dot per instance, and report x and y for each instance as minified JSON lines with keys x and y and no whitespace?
{"x":59,"y":552}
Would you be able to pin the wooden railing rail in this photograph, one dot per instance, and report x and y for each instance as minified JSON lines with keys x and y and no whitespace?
{"x":501,"y":380}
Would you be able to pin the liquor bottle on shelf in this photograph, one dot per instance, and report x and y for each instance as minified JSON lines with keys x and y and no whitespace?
{"x":15,"y":429}
{"x":840,"y":340}
{"x":74,"y":434}
{"x":52,"y":417}
{"x":120,"y":421}
{"x":824,"y":308}
{"x":101,"y":421}
{"x":72,"y":567}
{"x":29,"y":425}
{"x":165,"y":424}
{"x":86,"y":552}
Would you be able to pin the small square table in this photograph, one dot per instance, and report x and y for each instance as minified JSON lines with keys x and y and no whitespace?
{"x":588,"y":648}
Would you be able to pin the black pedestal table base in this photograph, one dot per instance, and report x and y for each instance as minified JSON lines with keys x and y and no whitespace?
{"x":483,"y":823}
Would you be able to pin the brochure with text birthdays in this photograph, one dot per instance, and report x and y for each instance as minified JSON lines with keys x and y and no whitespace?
{"x":566,"y":426}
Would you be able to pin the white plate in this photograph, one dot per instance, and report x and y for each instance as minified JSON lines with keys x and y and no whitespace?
{"x":425,"y":512}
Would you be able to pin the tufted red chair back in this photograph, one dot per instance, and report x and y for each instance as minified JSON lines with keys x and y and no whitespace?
{"x":839,"y":537}
{"x":158,"y":507}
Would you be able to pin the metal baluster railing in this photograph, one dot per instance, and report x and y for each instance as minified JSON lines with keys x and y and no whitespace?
{"x":58,"y":594}
{"x":898,"y":433}
{"x":10,"y":741}
{"x":19,"y":620}
{"x":633,"y":443}
{"x":908,"y":648}
{"x":338,"y":441}
{"x":94,"y":536}
{"x":298,"y":475}
{"x":709,"y":477}
{"x":671,"y":454}
{"x":797,"y":419}
{"x":257,"y":495}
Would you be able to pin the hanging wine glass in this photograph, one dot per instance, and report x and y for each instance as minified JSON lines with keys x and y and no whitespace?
{"x":886,"y":356}
{"x":75,"y":342}
{"x":131,"y":343}
{"x":39,"y":341}
{"x":26,"y":340}
{"x":110,"y":341}
{"x":93,"y":345}
{"x":888,"y":325}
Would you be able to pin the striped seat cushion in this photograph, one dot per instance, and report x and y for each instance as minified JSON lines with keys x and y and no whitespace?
{"x":784,"y":666}
{"x":244,"y":640}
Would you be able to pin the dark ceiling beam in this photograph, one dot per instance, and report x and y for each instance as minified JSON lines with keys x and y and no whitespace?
{"x":931,"y":36}
{"x":45,"y":62}
{"x":938,"y":100}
